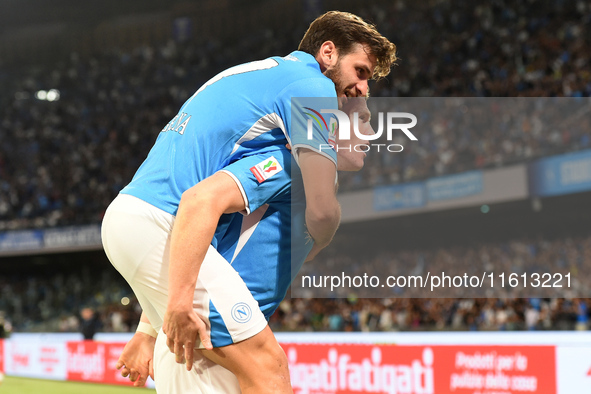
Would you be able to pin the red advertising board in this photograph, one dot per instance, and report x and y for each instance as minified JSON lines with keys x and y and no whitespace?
{"x":497,"y":369}
{"x":345,"y":368}
{"x":360,"y":368}
{"x":324,"y":368}
{"x":91,"y":361}
{"x":86,"y":361}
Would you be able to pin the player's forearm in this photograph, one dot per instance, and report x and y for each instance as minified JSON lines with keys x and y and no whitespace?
{"x":323,"y":213}
{"x":193,"y":231}
{"x":322,"y":220}
{"x":198,"y":215}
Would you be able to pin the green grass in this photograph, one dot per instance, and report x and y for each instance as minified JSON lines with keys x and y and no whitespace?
{"x":12,"y":385}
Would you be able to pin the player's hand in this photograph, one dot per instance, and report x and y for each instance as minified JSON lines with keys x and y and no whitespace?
{"x":183,"y":328}
{"x":136,"y":361}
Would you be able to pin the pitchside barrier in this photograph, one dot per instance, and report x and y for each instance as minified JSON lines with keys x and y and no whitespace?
{"x":323,"y":363}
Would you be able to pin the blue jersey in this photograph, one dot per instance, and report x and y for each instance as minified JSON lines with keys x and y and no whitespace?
{"x":267,"y":247}
{"x":239,"y":112}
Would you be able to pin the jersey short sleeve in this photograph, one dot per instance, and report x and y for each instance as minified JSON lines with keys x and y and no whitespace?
{"x":262,"y":178}
{"x":301,"y":105}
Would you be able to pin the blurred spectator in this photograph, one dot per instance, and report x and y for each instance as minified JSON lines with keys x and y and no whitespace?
{"x":89,"y":323}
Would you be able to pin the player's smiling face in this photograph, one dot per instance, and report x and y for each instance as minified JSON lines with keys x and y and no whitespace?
{"x":350,"y":153}
{"x":351,"y":72}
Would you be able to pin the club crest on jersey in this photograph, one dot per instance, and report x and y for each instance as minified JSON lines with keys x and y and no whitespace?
{"x":266,"y":169}
{"x":241,"y":312}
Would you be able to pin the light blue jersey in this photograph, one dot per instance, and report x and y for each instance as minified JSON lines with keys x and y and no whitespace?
{"x":268,"y":247}
{"x":239,"y":112}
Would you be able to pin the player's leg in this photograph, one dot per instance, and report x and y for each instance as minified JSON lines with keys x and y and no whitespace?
{"x":259,"y":363}
{"x":136,"y":239}
{"x":205,"y":377}
{"x":242,"y":340}
{"x":250,"y":351}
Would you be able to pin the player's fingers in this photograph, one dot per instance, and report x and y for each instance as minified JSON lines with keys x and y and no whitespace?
{"x":141,"y":381}
{"x":189,"y":355}
{"x":179,"y":353}
{"x":119,"y":364}
{"x":205,"y":339}
{"x":151,"y":369}
{"x":133,"y":375}
{"x":125,"y":372}
{"x":170,"y":344}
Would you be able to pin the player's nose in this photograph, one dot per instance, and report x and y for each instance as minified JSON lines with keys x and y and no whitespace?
{"x":361,"y":88}
{"x":368,"y":130}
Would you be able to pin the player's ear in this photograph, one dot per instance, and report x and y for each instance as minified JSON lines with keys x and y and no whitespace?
{"x":327,"y":55}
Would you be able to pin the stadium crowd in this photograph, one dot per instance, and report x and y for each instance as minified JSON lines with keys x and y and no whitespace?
{"x":59,"y":302}
{"x":63,"y":161}
{"x":55,"y":302}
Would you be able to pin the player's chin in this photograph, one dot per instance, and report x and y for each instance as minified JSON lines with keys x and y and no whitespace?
{"x":358,"y":164}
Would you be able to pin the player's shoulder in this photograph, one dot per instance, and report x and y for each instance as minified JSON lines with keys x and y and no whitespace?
{"x":301,"y":76}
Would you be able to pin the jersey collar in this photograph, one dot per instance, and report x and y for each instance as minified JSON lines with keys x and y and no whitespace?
{"x":306,"y":58}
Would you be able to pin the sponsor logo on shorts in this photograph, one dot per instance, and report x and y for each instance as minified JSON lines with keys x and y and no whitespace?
{"x":266,"y":169}
{"x":241,"y":312}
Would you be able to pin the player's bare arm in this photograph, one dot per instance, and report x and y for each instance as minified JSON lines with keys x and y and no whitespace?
{"x":199,"y":212}
{"x":323,"y":212}
{"x":350,"y":159}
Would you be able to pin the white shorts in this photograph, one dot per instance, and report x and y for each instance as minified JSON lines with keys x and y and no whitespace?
{"x":206,"y":377}
{"x":136,"y":239}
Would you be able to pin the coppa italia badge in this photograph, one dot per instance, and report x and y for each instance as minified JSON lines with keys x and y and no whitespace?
{"x":266,"y":169}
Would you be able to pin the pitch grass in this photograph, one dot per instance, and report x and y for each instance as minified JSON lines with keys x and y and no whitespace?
{"x":13,"y":385}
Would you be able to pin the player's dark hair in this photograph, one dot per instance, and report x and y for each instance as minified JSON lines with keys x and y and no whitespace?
{"x":345,"y":30}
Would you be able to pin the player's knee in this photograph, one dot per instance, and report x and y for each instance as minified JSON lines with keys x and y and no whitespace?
{"x":271,"y":372}
{"x":272,"y":363}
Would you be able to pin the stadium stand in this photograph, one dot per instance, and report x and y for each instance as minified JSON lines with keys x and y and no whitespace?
{"x":63,"y":161}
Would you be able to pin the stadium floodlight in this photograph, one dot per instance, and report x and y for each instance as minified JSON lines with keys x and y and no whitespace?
{"x":48,"y":95}
{"x":53,"y":95}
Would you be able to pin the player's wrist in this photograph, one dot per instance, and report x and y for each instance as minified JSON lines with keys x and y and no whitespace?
{"x":180,"y":304}
{"x":146,"y":328}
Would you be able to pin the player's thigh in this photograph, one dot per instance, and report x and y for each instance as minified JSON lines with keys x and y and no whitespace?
{"x":136,"y":239}
{"x":205,"y":377}
{"x":256,"y":358}
{"x":225,"y":303}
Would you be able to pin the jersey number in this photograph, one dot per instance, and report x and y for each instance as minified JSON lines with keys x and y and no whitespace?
{"x":240,"y":69}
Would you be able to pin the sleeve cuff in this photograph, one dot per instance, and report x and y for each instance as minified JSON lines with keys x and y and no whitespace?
{"x":239,"y":184}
